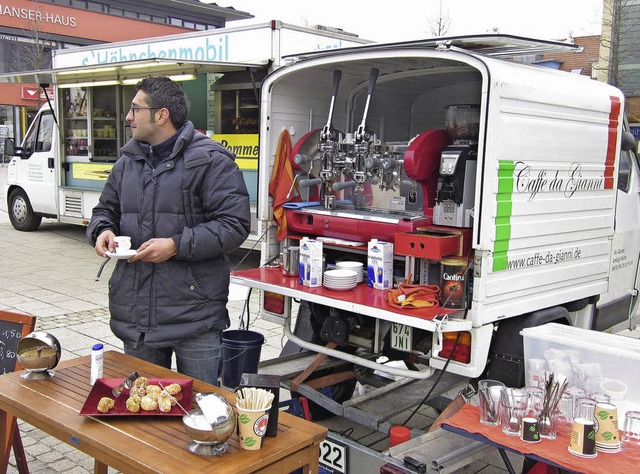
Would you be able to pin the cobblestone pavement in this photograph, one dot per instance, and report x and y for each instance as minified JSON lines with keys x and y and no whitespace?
{"x":51,"y":274}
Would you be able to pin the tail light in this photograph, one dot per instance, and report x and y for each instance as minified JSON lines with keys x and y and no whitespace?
{"x":273,"y":302}
{"x":462,"y":351}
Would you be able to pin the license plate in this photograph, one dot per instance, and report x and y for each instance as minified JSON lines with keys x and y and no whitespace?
{"x":333,"y":457}
{"x":401,"y":336}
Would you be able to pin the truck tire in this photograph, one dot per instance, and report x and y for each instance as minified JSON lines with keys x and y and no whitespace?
{"x":21,"y":213}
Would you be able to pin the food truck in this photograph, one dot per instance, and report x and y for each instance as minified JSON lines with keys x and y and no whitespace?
{"x":509,"y":194}
{"x":60,"y":168}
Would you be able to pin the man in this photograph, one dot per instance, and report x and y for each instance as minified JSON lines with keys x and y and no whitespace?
{"x":182,"y":199}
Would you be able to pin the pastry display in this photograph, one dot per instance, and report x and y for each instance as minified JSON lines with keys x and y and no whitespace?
{"x":150,"y":397}
{"x":144,"y":397}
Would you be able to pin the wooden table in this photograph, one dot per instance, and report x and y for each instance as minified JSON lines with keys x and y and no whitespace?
{"x":145,"y":444}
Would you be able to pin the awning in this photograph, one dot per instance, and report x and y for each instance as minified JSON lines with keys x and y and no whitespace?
{"x":123,"y":72}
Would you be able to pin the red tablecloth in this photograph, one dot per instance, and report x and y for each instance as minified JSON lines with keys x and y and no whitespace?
{"x":466,"y":422}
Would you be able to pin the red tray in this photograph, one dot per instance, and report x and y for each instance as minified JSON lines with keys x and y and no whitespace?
{"x":103,"y":387}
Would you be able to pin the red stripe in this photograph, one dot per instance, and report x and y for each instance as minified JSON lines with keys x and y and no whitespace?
{"x":609,"y":165}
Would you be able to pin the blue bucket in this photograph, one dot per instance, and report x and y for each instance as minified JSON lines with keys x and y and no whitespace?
{"x":240,"y":354}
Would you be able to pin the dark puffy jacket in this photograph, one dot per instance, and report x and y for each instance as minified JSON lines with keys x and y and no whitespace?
{"x":198,"y":197}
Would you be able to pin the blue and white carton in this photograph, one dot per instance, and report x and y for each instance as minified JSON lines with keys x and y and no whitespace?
{"x":310,"y":273}
{"x":380,"y":264}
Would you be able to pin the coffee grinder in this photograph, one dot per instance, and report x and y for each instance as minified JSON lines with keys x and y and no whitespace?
{"x":458,"y":163}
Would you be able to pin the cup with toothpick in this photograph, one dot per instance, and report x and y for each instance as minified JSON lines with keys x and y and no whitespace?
{"x":253,"y":405}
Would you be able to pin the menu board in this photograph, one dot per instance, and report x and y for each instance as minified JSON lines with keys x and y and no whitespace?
{"x":13,"y":327}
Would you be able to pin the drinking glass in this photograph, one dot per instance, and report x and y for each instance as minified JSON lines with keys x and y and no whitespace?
{"x":489,"y":395}
{"x":630,"y":436}
{"x":513,"y":407}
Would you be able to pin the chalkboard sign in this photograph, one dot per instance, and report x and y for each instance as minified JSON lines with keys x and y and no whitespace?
{"x":13,"y":327}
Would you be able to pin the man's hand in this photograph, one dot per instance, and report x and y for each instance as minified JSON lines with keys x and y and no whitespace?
{"x":155,"y":251}
{"x":105,"y":243}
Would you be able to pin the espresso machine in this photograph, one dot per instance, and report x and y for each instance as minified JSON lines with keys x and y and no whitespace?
{"x":458,"y":163}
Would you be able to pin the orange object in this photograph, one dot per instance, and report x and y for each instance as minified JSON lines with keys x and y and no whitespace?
{"x":413,"y":297}
{"x":398,"y":434}
{"x":281,"y":185}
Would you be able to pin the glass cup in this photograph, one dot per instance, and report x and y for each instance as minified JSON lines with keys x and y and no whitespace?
{"x":489,"y":395}
{"x":548,"y":424}
{"x":599,"y":397}
{"x":514,"y":403}
{"x":536,"y":401}
{"x":630,"y":436}
{"x":585,"y":407}
{"x":565,"y":411}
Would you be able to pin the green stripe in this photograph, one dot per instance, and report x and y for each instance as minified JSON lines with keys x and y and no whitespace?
{"x":504,"y":210}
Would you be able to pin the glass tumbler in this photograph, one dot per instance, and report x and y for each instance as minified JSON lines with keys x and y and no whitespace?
{"x":630,"y":436}
{"x":513,"y":407}
{"x":489,"y":395}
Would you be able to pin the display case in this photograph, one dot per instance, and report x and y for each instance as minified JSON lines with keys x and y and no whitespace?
{"x":239,"y":111}
{"x":91,"y":127}
{"x":76,"y":122}
{"x":104,"y":124}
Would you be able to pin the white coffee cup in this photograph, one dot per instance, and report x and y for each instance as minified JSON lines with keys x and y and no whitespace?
{"x":123,"y":244}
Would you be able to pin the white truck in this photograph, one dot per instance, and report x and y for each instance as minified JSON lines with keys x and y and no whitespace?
{"x":61,"y":166}
{"x":513,"y":189}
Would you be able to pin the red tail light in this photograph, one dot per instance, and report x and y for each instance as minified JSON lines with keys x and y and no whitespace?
{"x":462,"y":351}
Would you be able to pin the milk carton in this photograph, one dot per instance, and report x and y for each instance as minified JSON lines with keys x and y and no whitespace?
{"x":310,"y":273}
{"x":380,"y":264}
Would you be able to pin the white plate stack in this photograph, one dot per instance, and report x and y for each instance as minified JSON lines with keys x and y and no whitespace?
{"x":355,"y":266}
{"x":340,"y":280}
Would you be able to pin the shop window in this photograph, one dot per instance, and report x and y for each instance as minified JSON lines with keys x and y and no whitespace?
{"x":95,"y":7}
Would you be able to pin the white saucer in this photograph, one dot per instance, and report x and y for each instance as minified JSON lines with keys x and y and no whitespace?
{"x":122,"y":255}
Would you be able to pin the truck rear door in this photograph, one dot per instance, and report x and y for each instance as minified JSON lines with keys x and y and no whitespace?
{"x":548,"y":190}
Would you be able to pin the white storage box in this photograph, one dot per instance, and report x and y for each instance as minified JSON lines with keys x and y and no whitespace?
{"x":595,"y":361}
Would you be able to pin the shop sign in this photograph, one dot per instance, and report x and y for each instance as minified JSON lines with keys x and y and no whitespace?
{"x":35,"y":92}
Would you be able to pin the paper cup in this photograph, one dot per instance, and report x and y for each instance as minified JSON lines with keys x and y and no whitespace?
{"x":529,"y":432}
{"x":607,"y":436}
{"x":583,"y":438}
{"x":252,"y":425}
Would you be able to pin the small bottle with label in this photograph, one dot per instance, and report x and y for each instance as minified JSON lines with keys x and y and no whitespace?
{"x":97,"y":355}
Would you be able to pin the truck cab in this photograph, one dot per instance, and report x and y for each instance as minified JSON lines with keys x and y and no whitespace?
{"x":33,"y":164}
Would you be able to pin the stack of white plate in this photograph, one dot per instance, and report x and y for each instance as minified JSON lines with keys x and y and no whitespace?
{"x":355,"y":266}
{"x":340,"y":280}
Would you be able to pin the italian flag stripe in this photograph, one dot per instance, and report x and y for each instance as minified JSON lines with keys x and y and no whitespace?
{"x":503,"y":215}
{"x":612,"y":140}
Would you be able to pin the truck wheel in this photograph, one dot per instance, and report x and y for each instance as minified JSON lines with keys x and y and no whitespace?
{"x":21,"y":213}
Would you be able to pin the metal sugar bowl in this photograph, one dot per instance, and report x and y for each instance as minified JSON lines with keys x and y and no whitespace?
{"x":38,"y":353}
{"x":211,"y":425}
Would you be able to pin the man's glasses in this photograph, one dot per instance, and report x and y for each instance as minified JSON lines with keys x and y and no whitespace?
{"x":133,"y":109}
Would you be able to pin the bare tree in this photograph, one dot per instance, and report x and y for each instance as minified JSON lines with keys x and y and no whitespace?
{"x":439,"y":26}
{"x":618,"y":42}
{"x":35,"y":51}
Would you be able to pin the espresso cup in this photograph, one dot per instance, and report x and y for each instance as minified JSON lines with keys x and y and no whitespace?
{"x":123,"y":243}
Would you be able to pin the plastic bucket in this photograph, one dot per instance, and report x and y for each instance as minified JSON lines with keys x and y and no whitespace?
{"x":240,"y":354}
